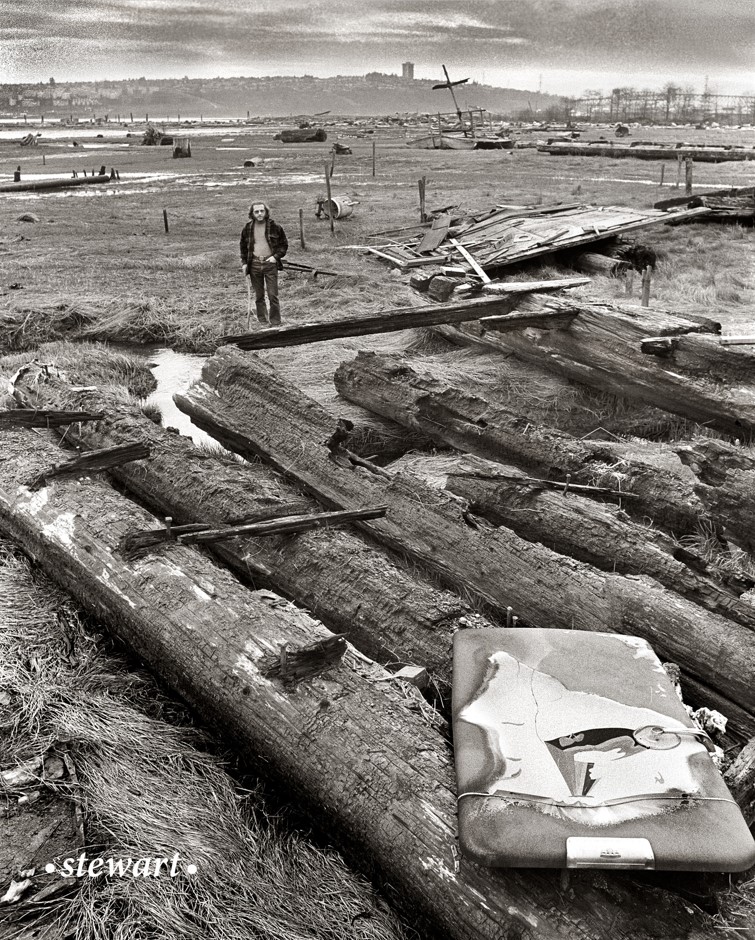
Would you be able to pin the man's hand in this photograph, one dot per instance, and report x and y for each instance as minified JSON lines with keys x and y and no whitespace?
{"x":273,"y":258}
{"x":243,"y":269}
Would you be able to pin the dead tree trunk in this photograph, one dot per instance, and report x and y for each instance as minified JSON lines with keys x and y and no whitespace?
{"x":598,"y":533}
{"x":247,"y":407}
{"x":602,"y":348}
{"x":678,"y":492}
{"x":345,"y":740}
{"x":355,"y":588}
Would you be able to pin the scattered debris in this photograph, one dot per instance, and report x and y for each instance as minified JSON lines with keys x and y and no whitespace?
{"x":302,"y":135}
{"x":506,"y":235}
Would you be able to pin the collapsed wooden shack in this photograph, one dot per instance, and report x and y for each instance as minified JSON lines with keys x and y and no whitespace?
{"x":505,"y":235}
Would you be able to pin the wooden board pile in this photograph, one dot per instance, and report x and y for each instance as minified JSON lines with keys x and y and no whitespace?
{"x":506,"y":235}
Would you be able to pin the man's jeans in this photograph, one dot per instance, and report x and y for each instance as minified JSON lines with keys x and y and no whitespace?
{"x":264,"y":274}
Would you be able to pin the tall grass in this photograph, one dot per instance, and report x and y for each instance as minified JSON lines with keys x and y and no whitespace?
{"x":150,"y":788}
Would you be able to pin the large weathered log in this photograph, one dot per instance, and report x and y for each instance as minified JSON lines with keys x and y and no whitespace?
{"x":595,"y":532}
{"x":740,"y":779}
{"x":246,"y":406}
{"x":355,"y":588}
{"x":390,"y":386}
{"x":602,"y":348}
{"x":677,"y":491}
{"x":401,"y":318}
{"x":346,"y":742}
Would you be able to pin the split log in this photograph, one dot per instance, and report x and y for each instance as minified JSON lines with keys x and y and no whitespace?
{"x":710,"y":482}
{"x":594,"y":532}
{"x":602,"y":349}
{"x":356,"y":589}
{"x":246,"y":406}
{"x":400,"y":318}
{"x":347,"y":742}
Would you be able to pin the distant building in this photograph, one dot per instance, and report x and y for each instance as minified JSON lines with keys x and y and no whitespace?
{"x":407,"y":71}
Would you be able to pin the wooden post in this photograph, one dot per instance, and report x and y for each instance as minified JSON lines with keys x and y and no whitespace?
{"x":43,"y":159}
{"x":471,"y":122}
{"x":678,"y":171}
{"x":330,"y":201}
{"x":332,"y":161}
{"x":663,"y":172}
{"x":373,"y":158}
{"x":165,"y":221}
{"x":646,"y":276}
{"x":688,"y":161}
{"x":421,"y":184}
{"x":629,"y":282}
{"x":146,"y":119}
{"x":132,"y":116}
{"x":301,"y":228}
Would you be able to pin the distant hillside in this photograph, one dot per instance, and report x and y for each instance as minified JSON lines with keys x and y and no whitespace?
{"x":374,"y":94}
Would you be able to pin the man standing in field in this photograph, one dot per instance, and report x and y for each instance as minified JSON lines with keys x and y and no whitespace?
{"x":263,"y":244}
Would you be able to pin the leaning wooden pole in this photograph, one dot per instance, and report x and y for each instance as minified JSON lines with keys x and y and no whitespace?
{"x":342,"y":738}
{"x":247,"y":406}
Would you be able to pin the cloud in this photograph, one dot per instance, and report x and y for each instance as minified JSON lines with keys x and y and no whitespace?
{"x":333,"y":36}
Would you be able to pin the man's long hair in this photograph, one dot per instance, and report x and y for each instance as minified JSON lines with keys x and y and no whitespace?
{"x":267,"y":210}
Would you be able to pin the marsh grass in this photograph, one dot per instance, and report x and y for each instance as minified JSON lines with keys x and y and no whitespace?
{"x":150,"y":788}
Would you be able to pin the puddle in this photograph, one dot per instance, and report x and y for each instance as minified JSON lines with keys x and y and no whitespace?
{"x":174,"y":372}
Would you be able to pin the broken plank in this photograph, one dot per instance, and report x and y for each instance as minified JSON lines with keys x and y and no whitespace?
{"x":285,"y":526}
{"x":44,"y":418}
{"x":436,"y":234}
{"x":471,"y":261}
{"x":401,"y":318}
{"x":92,"y":462}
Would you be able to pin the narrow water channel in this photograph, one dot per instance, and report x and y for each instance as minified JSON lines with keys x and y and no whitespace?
{"x":174,"y":372}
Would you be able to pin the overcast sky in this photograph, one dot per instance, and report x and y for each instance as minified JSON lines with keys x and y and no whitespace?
{"x":563,"y":46}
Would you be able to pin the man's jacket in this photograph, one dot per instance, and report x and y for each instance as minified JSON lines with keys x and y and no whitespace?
{"x":276,"y":238}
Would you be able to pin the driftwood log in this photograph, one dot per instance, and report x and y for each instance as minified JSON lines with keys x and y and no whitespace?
{"x":245,"y":405}
{"x":345,"y":740}
{"x":698,"y":378}
{"x":676,"y":491}
{"x":598,"y":533}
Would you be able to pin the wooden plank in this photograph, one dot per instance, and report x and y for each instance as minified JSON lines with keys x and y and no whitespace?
{"x":401,"y":318}
{"x":468,"y":257}
{"x":436,"y":234}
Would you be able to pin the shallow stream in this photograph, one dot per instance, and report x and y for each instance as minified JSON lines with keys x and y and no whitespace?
{"x":173,"y":372}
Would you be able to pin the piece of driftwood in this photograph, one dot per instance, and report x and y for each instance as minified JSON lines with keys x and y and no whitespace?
{"x":400,"y":318}
{"x":361,"y":762}
{"x":92,"y":462}
{"x":303,"y":662}
{"x":246,"y":406}
{"x":67,"y":182}
{"x":44,"y":418}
